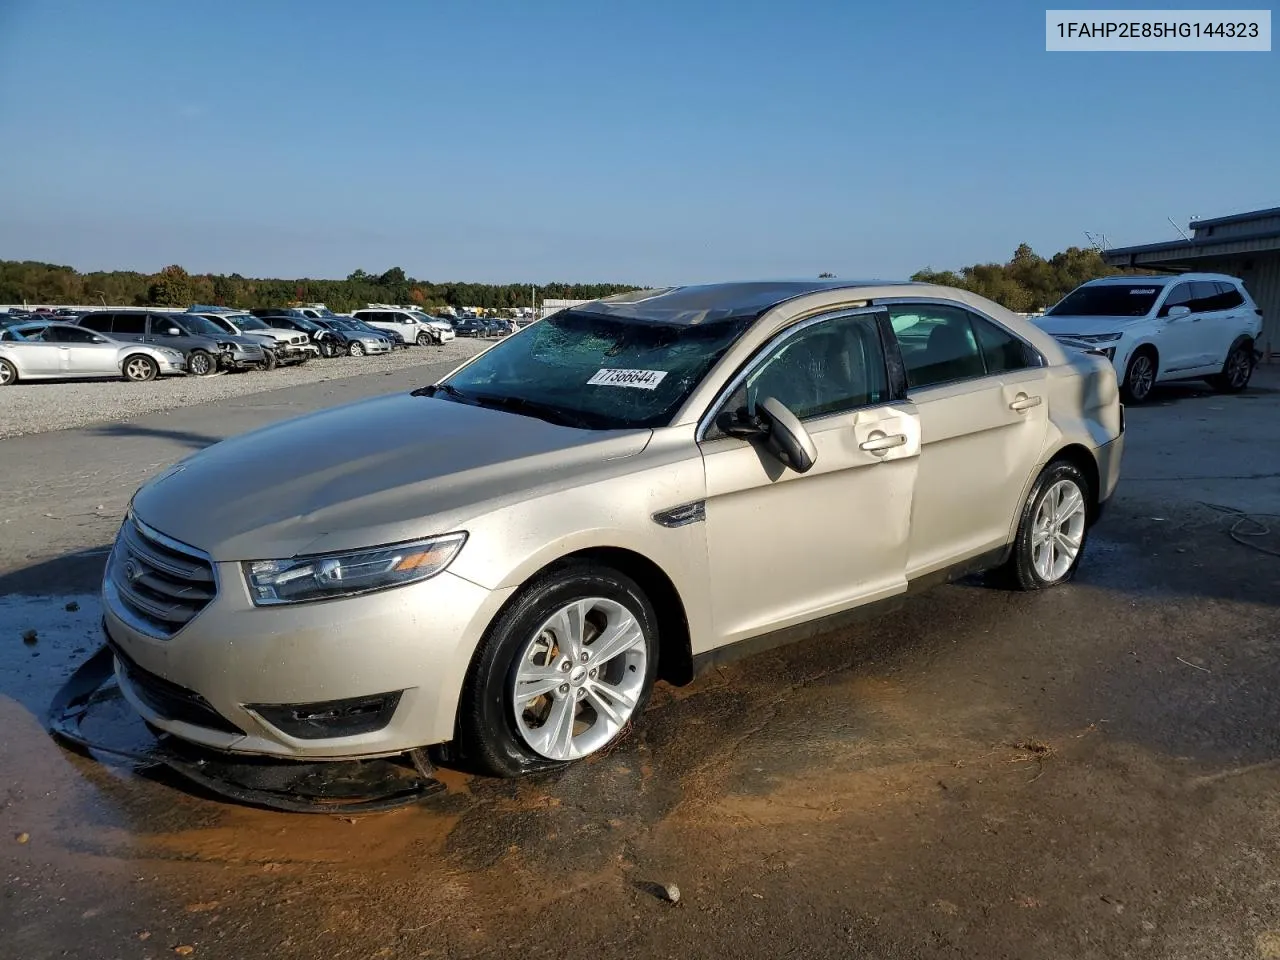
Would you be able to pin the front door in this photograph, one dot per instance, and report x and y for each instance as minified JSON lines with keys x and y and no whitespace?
{"x":785,"y":547}
{"x":983,"y":403}
{"x":1180,"y":340}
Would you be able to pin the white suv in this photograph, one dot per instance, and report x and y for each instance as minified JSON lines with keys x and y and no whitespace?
{"x":411,"y":325}
{"x":1154,"y":329}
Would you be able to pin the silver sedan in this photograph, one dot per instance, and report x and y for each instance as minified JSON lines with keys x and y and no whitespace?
{"x":48,"y":351}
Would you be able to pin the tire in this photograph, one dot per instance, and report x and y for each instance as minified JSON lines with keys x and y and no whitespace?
{"x":8,"y":374}
{"x":355,"y":349}
{"x":200,"y":363}
{"x":1236,"y":369}
{"x":268,"y":360}
{"x":139,"y":368}
{"x":1025,"y":569}
{"x":492,"y":738}
{"x":304,"y":358}
{"x":1140,"y":376}
{"x":328,"y":349}
{"x":424,"y":339}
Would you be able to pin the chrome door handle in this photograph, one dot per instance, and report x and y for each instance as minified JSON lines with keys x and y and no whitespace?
{"x":1023,"y":402}
{"x":883,"y":444}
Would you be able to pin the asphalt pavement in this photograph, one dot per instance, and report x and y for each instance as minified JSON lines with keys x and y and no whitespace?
{"x":1091,"y":771}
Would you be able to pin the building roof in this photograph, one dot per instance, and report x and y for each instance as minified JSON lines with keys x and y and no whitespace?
{"x":1235,"y":218}
{"x":706,"y":303}
{"x":1194,"y":249}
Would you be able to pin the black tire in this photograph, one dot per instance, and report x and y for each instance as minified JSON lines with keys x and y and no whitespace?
{"x":424,"y":339}
{"x":8,"y":374}
{"x":1019,"y":571}
{"x":488,"y":739}
{"x":1236,"y":369}
{"x":138,"y":368}
{"x":268,"y":360}
{"x":200,"y":363}
{"x":328,"y":349}
{"x":1140,"y":376}
{"x":303,"y":358}
{"x":355,"y":349}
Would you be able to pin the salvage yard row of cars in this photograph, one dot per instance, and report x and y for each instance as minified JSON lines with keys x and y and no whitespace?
{"x":141,"y":345}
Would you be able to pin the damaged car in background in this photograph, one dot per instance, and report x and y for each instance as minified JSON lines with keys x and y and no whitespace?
{"x":501,"y":565}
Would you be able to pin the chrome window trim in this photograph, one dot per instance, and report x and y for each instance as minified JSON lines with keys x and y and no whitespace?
{"x":767,"y":350}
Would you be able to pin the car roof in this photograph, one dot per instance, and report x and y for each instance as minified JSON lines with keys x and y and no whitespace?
{"x":710,"y":302}
{"x":1163,"y":279}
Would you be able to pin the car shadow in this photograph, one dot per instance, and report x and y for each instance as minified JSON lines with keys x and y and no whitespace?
{"x":187,"y":438}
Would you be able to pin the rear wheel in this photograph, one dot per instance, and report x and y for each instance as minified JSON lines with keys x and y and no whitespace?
{"x":1140,"y":376}
{"x":200,"y":363}
{"x":561,"y":674}
{"x":8,"y":373}
{"x":1052,"y":529}
{"x":355,"y":349}
{"x":139,"y":368}
{"x":1236,"y":371}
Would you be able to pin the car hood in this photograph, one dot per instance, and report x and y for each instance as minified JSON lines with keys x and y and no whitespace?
{"x":1089,"y":326}
{"x":378,"y":471}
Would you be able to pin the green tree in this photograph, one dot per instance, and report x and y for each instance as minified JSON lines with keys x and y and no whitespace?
{"x":170,"y":287}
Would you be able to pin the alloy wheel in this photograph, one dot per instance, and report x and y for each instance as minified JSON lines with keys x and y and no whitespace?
{"x":139,"y":368}
{"x":578,"y":679}
{"x":356,"y":349}
{"x":7,"y":375}
{"x":1057,"y":531}
{"x":1142,"y":376}
{"x":1238,"y":369}
{"x":200,"y":364}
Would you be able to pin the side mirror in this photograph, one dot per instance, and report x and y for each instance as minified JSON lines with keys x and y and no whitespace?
{"x":99,"y":340}
{"x":1181,"y":310}
{"x":174,"y":332}
{"x":788,"y":440}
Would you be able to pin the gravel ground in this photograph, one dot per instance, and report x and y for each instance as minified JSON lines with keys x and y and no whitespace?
{"x":44,"y":405}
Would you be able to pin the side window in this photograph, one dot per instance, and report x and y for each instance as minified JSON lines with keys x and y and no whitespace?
{"x":1001,"y":350}
{"x":75,"y":335}
{"x":1179,"y":296}
{"x":1229,"y":296}
{"x":1204,"y":296}
{"x":126,"y":323}
{"x":829,"y":367}
{"x":937,"y":343}
{"x":38,"y":335}
{"x":97,"y":321}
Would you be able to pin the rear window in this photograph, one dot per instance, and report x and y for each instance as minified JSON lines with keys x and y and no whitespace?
{"x":1108,"y":300}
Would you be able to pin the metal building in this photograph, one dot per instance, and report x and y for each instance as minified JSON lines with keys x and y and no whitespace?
{"x":1244,"y":245}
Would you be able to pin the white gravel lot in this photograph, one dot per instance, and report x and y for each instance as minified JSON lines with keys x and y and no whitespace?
{"x":43,"y":405}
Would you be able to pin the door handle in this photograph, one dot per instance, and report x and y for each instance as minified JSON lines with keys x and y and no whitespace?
{"x":882,"y":444}
{"x":1022,"y":402}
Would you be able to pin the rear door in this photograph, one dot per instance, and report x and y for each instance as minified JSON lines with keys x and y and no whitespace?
{"x":128,"y":326}
{"x":38,"y":354}
{"x":785,"y":547}
{"x":1225,"y":316}
{"x":981,"y":395}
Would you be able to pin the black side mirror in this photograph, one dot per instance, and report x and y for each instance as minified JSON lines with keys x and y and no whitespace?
{"x":788,"y":440}
{"x":741,"y":424}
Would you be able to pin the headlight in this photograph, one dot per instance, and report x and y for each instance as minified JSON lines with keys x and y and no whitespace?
{"x":325,"y":576}
{"x":1096,"y":337}
{"x":226,"y":345}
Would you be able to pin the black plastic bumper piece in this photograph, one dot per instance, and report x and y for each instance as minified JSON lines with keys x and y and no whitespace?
{"x":331,"y":718}
{"x":170,"y":700}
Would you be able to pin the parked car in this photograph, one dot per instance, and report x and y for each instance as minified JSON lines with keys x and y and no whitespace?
{"x":356,"y":342}
{"x":412,"y":326}
{"x":507,"y":560}
{"x":326,"y":341}
{"x":472,"y":327}
{"x":44,"y":350}
{"x":279,"y":346}
{"x":1158,"y":329}
{"x":206,"y":348}
{"x":350,"y":325}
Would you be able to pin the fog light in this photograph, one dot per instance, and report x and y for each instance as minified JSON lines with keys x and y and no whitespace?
{"x":330,"y":718}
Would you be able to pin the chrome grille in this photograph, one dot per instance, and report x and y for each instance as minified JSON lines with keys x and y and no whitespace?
{"x":161,"y":583}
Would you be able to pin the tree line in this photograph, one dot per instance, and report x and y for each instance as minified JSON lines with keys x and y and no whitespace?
{"x":1026,"y":283}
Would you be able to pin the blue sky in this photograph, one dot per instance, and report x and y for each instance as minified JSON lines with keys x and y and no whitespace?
{"x":654,"y":142}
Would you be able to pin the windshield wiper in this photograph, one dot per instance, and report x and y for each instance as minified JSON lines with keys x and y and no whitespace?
{"x":444,"y":388}
{"x":541,"y":411}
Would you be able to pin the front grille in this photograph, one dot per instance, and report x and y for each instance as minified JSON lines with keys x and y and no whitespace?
{"x":170,"y":700}
{"x":161,"y":582}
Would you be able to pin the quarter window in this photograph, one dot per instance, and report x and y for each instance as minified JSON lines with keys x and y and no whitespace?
{"x":829,"y":367}
{"x":942,"y":344}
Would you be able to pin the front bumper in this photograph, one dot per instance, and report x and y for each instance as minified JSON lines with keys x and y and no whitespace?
{"x":376,"y":346}
{"x":415,"y":641}
{"x":169,"y":367}
{"x":242,"y":355}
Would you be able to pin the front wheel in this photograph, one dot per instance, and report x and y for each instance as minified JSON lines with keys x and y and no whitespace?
{"x":1236,"y":371}
{"x":200,"y":363}
{"x":8,"y":373}
{"x":268,"y":360}
{"x":424,"y":339}
{"x":140,"y":368}
{"x":561,"y":673}
{"x":1052,"y":529}
{"x":1139,"y":377}
{"x":355,"y":349}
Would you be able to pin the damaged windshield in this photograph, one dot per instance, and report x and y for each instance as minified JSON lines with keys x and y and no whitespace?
{"x":598,"y":372}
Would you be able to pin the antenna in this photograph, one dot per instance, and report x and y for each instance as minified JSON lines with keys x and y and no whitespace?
{"x":1179,"y":229}
{"x":1097,"y":240}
